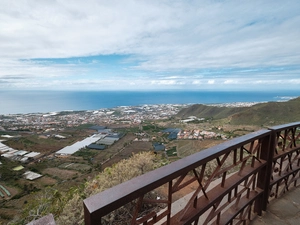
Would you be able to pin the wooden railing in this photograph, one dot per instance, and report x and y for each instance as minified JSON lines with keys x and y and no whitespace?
{"x":234,"y":181}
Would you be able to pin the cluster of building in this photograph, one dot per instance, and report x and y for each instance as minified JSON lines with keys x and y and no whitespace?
{"x":99,"y":141}
{"x":191,"y":119}
{"x":17,"y":155}
{"x":41,"y":123}
{"x":175,"y":133}
{"x":21,"y":156}
{"x":51,"y":122}
{"x":200,"y":135}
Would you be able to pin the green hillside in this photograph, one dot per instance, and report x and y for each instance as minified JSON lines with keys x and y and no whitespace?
{"x":204,"y":111}
{"x":271,"y":113}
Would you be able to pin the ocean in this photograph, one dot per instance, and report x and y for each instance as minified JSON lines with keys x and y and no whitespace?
{"x":21,"y":102}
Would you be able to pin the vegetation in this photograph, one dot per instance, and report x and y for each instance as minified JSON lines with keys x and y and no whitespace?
{"x":67,"y":206}
{"x":265,"y":114}
{"x":86,"y":154}
{"x":84,"y":126}
{"x":59,"y":174}
{"x":204,"y":111}
{"x":38,"y":144}
{"x":152,"y":127}
{"x":172,"y":152}
{"x":271,"y":113}
{"x":6,"y":173}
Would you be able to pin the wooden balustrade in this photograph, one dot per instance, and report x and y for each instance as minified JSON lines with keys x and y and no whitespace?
{"x":234,"y":180}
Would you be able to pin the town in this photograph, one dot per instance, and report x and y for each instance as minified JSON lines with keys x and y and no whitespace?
{"x":51,"y":124}
{"x":64,"y":149}
{"x":45,"y":122}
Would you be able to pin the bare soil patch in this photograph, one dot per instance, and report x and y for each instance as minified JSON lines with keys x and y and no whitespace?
{"x":132,"y":148}
{"x":75,"y":166}
{"x":45,"y":181}
{"x":61,"y":173}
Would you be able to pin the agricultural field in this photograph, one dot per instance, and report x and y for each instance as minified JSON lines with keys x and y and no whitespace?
{"x":63,"y":172}
{"x":189,"y":147}
{"x":123,"y":149}
{"x":57,"y":172}
{"x":47,"y":143}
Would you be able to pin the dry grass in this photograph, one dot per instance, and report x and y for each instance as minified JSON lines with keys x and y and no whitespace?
{"x":61,"y":173}
{"x":189,"y":147}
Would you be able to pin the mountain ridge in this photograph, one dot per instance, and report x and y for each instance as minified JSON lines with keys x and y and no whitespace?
{"x":269,"y":113}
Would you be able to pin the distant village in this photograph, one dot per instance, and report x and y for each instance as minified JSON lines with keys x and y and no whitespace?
{"x":99,"y":134}
{"x":52,"y":123}
{"x":46,"y":122}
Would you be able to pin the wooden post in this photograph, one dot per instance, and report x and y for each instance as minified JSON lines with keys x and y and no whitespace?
{"x":264,"y":176}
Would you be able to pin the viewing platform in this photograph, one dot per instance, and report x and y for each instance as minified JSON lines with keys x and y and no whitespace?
{"x":251,"y":179}
{"x":251,"y":170}
{"x":281,"y":211}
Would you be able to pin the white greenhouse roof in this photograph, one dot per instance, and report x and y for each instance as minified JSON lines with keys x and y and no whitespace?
{"x":21,"y":152}
{"x":107,"y":141}
{"x":69,"y":150}
{"x":32,"y":154}
{"x":31,"y":175}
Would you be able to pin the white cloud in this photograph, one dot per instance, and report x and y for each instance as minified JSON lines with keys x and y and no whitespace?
{"x":173,"y":43}
{"x":231,"y":82}
{"x":196,"y":82}
{"x":163,"y":82}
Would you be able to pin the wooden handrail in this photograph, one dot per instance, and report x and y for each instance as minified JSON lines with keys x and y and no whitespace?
{"x":247,"y":172}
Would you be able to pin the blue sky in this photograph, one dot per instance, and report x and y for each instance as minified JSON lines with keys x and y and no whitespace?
{"x":149,"y":45}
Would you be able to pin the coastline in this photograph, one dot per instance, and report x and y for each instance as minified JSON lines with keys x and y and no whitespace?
{"x":131,"y":109}
{"x":24,"y":102}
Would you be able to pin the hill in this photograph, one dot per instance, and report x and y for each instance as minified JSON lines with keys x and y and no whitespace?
{"x":204,"y":111}
{"x":270,"y":113}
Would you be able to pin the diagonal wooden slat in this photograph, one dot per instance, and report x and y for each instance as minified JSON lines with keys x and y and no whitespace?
{"x":266,"y":162}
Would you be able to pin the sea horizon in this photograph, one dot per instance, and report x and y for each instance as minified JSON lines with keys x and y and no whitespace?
{"x":34,"y":101}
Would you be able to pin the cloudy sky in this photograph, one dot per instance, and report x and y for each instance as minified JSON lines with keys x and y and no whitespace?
{"x":149,"y":45}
